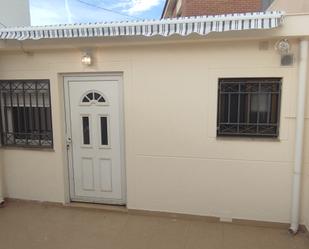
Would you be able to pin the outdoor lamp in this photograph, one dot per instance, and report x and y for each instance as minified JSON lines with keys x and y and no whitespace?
{"x":86,"y":59}
{"x":283,"y":46}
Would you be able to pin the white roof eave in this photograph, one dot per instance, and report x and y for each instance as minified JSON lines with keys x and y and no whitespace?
{"x":201,"y":25}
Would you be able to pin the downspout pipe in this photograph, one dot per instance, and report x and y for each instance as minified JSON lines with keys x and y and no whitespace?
{"x":1,"y":180}
{"x":299,"y":140}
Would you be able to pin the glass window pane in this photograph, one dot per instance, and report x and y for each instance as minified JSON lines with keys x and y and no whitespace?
{"x":86,"y":131}
{"x":104,"y":131}
{"x":96,"y":96}
{"x":274,"y":109}
{"x":101,"y":99}
{"x":86,"y":100}
{"x":90,"y":96}
{"x":263,"y":102}
{"x":243,"y":108}
{"x":254,"y":102}
{"x":234,"y":108}
{"x":224,"y":108}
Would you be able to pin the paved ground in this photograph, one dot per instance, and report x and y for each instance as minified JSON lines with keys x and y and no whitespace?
{"x":35,"y":226}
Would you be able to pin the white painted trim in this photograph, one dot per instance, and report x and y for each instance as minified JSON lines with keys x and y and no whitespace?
{"x":68,"y":134}
{"x":122,"y":137}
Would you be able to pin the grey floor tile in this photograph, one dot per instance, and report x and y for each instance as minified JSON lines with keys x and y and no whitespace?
{"x":36,"y":226}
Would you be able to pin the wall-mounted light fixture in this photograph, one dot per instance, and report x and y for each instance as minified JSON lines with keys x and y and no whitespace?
{"x":86,"y":59}
{"x":283,"y":47}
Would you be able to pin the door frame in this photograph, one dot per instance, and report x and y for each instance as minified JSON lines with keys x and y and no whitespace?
{"x":69,"y":150}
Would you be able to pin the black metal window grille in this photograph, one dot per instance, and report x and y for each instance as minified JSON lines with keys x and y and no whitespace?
{"x":249,"y":107}
{"x":25,"y":111}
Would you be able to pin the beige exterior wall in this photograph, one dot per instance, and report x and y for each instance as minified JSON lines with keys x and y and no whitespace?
{"x":296,"y":6}
{"x":174,"y":161}
{"x":14,"y":13}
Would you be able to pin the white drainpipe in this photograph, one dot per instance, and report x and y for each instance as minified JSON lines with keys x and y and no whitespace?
{"x":300,"y":122}
{"x":1,"y":179}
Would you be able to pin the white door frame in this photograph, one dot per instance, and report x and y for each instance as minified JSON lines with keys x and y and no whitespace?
{"x":95,"y":77}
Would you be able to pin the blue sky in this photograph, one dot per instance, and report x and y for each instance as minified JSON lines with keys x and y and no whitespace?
{"x":46,"y":12}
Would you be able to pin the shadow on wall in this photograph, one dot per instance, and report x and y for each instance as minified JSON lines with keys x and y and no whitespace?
{"x":297,"y":6}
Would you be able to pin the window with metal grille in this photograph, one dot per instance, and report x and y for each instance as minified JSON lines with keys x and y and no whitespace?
{"x":249,"y":107}
{"x":25,"y":111}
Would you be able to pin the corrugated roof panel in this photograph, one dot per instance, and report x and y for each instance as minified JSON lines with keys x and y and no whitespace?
{"x":201,"y":25}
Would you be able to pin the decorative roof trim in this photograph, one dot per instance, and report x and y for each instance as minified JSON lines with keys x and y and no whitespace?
{"x":201,"y":25}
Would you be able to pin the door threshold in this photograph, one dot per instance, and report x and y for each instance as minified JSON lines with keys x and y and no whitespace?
{"x":105,"y":207}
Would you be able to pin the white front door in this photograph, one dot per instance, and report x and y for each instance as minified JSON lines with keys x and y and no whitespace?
{"x":94,"y":138}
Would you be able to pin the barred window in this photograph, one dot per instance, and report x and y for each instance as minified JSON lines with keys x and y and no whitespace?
{"x":249,"y":107}
{"x":25,"y":111}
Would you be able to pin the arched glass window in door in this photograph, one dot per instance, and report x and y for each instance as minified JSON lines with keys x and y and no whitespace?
{"x":93,"y":97}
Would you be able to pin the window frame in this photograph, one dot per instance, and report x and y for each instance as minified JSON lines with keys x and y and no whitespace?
{"x":253,"y":80}
{"x":41,"y":142}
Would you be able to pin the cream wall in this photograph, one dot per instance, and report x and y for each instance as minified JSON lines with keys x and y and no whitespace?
{"x":295,"y":6}
{"x":14,"y":13}
{"x":174,"y":161}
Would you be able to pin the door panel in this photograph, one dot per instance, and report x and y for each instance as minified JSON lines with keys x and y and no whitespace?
{"x":106,"y":175}
{"x":94,"y":116}
{"x":87,"y":173}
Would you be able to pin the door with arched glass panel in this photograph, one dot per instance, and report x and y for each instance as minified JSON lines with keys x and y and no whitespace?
{"x":94,"y":128}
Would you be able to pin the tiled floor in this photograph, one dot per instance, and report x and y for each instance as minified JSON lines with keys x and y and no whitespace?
{"x":35,"y":226}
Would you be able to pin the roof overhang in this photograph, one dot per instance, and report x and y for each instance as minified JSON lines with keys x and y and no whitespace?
{"x":201,"y":26}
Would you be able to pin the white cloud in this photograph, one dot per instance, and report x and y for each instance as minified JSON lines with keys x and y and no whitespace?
{"x":138,"y":6}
